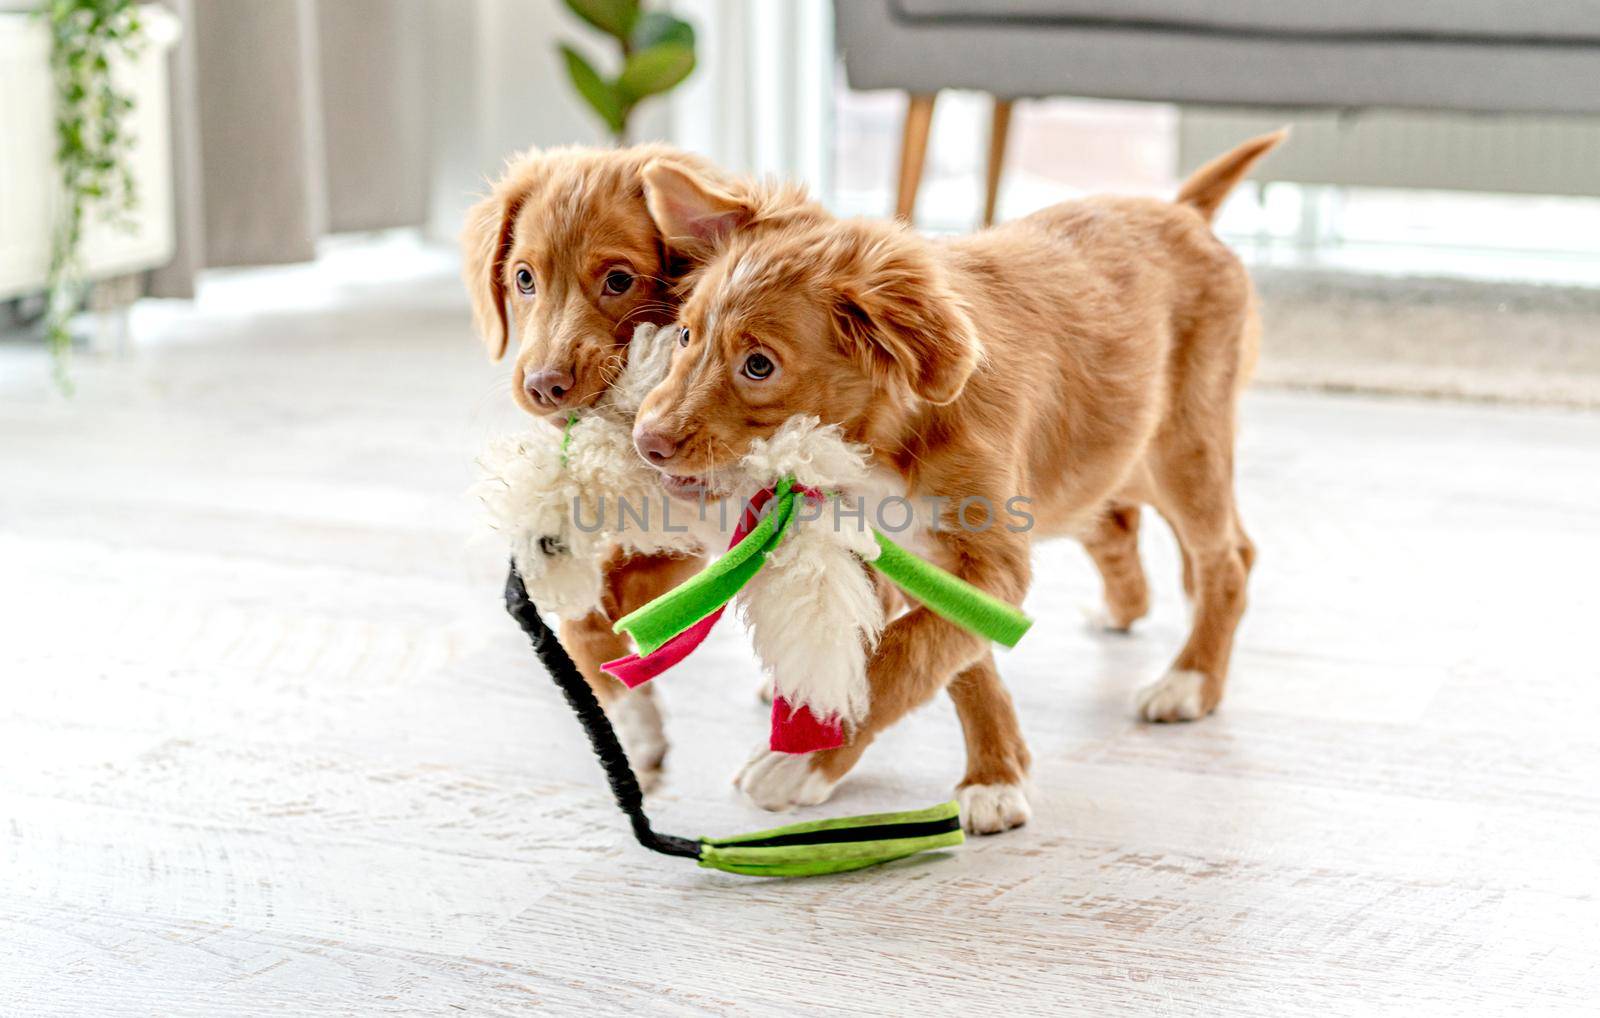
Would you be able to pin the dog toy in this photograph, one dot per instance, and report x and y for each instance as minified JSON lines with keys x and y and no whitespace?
{"x":811,"y":608}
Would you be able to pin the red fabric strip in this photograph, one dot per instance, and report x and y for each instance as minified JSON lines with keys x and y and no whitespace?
{"x":799,"y":731}
{"x":794,"y":730}
{"x":634,"y":670}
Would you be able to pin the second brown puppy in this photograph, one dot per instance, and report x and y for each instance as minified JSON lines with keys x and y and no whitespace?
{"x":1088,"y":358}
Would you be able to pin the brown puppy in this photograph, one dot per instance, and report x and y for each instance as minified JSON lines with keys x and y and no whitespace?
{"x":1088,"y":357}
{"x":564,"y":247}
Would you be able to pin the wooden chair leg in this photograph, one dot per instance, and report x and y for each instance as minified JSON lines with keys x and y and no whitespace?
{"x":913,"y":148}
{"x":999,"y":126}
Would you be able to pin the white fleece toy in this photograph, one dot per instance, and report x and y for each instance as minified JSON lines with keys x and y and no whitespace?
{"x":813,"y":611}
{"x":567,"y":500}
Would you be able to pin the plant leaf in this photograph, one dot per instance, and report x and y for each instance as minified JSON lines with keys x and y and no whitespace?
{"x":596,"y":91}
{"x":659,"y":27}
{"x":655,"y":70}
{"x":613,"y":17}
{"x":93,"y":143}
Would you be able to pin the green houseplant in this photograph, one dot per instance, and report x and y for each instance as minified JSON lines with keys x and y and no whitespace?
{"x":657,"y":52}
{"x":92,"y":144}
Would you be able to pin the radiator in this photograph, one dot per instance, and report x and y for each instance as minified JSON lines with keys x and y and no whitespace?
{"x":29,"y":188}
{"x":1447,"y":151}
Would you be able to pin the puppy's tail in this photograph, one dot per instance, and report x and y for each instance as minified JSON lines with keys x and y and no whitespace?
{"x":1210,"y":184}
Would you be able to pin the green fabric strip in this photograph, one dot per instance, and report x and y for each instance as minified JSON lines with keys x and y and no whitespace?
{"x":566,"y":435}
{"x":815,"y":860}
{"x":943,"y":811}
{"x":731,"y":855}
{"x":714,"y":586}
{"x":951,"y":597}
{"x":947,"y":596}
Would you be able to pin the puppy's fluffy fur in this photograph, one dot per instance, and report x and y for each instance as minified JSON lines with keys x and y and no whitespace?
{"x":1087,"y":357}
{"x":571,"y":216}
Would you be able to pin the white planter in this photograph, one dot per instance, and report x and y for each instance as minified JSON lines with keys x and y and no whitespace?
{"x":29,"y":188}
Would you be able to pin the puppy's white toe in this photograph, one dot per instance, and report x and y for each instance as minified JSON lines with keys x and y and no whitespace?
{"x":1100,"y":620}
{"x":637,"y":720}
{"x":990,"y":809}
{"x":781,"y":781}
{"x":1177,"y":696}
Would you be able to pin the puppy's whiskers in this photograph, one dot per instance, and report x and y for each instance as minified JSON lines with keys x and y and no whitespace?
{"x":610,"y":370}
{"x":732,"y":459}
{"x":647,"y":309}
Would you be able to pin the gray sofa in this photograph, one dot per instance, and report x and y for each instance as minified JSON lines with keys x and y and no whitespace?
{"x":1500,"y":56}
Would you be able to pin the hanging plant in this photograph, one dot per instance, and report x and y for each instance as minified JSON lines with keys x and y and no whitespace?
{"x":92,"y":145}
{"x":657,"y":52}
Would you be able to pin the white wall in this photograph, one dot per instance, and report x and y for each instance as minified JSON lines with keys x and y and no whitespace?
{"x":760,"y":100}
{"x":498,"y":86}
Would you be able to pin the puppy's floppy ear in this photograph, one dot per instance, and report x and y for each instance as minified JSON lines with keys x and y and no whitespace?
{"x":693,"y":214}
{"x":485,"y":244}
{"x":895,"y":311}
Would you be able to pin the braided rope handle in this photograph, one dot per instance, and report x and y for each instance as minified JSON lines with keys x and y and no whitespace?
{"x":602,"y":737}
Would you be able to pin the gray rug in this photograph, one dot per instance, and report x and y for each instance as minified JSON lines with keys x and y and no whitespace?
{"x":1502,"y":342}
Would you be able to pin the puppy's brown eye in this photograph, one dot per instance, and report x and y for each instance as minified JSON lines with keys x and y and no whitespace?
{"x":758,"y":366}
{"x":683,"y":336}
{"x":524,"y":279}
{"x":616,"y":284}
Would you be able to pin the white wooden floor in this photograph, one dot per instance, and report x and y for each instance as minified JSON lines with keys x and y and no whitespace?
{"x":269,"y":744}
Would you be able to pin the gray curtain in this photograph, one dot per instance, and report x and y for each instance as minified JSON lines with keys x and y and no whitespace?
{"x":293,"y":118}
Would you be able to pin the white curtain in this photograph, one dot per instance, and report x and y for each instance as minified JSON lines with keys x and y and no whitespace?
{"x":295,"y":118}
{"x":761,"y":98}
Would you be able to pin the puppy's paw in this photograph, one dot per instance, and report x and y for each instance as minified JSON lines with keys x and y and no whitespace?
{"x":1101,"y":619}
{"x":990,"y":809}
{"x":767,"y":691}
{"x":637,"y":720}
{"x":781,"y":781}
{"x":1178,"y":695}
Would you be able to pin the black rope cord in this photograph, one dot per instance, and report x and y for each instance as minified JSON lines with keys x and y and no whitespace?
{"x":843,"y":835}
{"x":607,"y":748}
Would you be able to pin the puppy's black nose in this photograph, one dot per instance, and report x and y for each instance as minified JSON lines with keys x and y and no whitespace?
{"x":549,"y":387}
{"x":655,"y":446}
